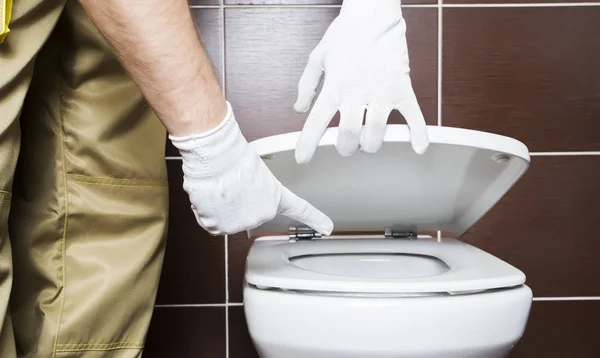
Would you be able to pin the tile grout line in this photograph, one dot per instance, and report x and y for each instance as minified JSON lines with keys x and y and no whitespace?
{"x":226,"y":295}
{"x":533,"y":154}
{"x":222,"y":11}
{"x":494,"y":5}
{"x":191,"y":305}
{"x":286,"y":6}
{"x":439,"y":58}
{"x":226,"y":237}
{"x":439,"y":77}
{"x":199,"y":305}
{"x":549,"y":154}
{"x":439,"y":5}
{"x":241,"y":304}
{"x":575,"y":298}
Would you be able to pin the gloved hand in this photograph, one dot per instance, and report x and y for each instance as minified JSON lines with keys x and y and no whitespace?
{"x":365,"y":59}
{"x":230,"y":187}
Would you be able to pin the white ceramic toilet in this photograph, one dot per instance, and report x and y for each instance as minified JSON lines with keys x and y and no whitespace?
{"x":380,"y":287}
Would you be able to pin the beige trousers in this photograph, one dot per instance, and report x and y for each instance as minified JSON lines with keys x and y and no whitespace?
{"x":83,"y":191}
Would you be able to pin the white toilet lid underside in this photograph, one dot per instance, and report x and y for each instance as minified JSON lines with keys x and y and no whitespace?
{"x":470,"y":269}
{"x":460,"y":177}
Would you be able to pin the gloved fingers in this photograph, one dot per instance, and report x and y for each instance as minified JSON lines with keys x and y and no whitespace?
{"x":375,"y":125}
{"x":409,"y":108}
{"x":310,"y":80}
{"x":314,"y":127}
{"x":351,"y":120}
{"x":300,"y":210}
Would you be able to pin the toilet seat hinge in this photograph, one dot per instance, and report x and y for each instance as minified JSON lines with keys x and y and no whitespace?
{"x":303,"y":233}
{"x":396,"y":234}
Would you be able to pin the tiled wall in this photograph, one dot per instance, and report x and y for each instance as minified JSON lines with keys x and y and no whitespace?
{"x":531,"y":71}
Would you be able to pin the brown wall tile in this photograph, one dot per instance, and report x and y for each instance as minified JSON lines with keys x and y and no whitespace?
{"x":524,"y":72}
{"x":194,"y":268}
{"x":204,"y":2}
{"x":262,"y":78}
{"x":283,"y":2}
{"x":208,"y":23}
{"x":547,"y":226}
{"x":238,"y":248}
{"x":310,"y":2}
{"x":171,"y":151}
{"x":561,"y":330}
{"x":240,"y":344}
{"x":508,"y":1}
{"x":187,"y":333}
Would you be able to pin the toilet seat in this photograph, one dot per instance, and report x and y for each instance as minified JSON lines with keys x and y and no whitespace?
{"x":269,"y":265}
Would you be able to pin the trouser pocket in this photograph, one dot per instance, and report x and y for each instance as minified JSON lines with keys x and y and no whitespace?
{"x":113,"y":252}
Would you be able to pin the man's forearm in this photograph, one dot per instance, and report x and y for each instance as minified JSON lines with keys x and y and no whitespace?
{"x":157,"y":43}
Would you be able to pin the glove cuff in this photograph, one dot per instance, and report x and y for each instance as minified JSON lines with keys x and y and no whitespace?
{"x":211,"y":153}
{"x":183,"y":141}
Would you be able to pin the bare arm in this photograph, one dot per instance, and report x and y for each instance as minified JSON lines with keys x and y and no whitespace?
{"x":157,"y":43}
{"x":230,"y":187}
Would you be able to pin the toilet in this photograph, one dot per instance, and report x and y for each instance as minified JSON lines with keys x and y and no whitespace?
{"x":394,"y":279}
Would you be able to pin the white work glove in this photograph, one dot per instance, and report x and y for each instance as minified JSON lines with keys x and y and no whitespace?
{"x":230,"y":187}
{"x":365,"y":60}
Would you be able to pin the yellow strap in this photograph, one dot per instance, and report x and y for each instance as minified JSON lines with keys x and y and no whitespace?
{"x":5,"y":11}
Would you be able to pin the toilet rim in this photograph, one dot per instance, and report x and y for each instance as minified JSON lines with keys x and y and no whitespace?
{"x":470,"y":270}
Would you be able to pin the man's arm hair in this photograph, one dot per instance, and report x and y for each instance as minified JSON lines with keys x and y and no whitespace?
{"x":157,"y":43}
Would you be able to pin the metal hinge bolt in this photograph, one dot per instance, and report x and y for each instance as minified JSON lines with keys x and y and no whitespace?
{"x":395,"y":234}
{"x":303,"y":233}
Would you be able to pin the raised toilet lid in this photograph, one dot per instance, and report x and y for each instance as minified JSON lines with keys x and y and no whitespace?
{"x":460,"y":177}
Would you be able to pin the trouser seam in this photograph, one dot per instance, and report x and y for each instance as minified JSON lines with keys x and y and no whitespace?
{"x":66,"y":214}
{"x":96,"y":349}
{"x":82,"y":347}
{"x":98,"y":344}
{"x":117,"y":182}
{"x":63,"y":350}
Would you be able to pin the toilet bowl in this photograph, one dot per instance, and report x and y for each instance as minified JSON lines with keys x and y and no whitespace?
{"x":394,"y":279}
